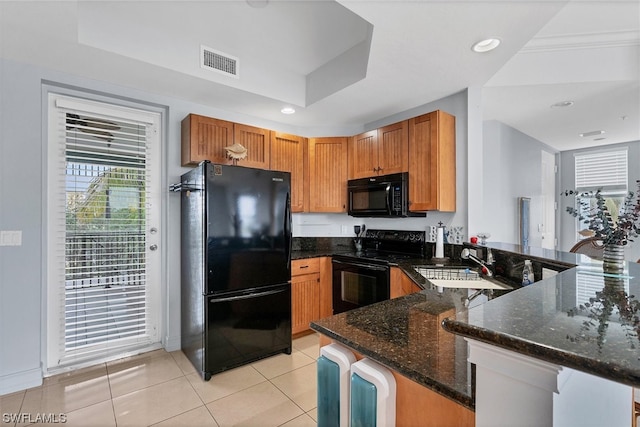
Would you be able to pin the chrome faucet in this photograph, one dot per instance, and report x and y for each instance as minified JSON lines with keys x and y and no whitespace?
{"x":466,"y":254}
{"x":466,"y":301}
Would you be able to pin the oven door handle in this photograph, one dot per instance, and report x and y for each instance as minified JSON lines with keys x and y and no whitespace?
{"x":357,"y":264}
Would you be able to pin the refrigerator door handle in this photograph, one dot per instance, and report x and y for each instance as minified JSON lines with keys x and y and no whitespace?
{"x":247,"y":296}
{"x":287,"y":229}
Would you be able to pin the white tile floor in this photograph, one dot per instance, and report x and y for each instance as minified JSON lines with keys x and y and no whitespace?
{"x":163,"y":389}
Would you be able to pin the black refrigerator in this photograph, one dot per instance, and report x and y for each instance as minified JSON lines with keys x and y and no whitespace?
{"x":235,"y":265}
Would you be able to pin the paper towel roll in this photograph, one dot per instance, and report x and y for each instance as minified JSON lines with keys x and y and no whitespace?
{"x":440,"y":242}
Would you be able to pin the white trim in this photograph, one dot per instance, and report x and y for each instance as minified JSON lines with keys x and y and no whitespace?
{"x":84,"y":105}
{"x":20,"y":380}
{"x":54,"y":327}
{"x":538,"y":373}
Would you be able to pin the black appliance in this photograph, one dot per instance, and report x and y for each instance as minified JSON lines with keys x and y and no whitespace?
{"x":363,"y":278}
{"x":236,"y":265}
{"x":380,"y":196}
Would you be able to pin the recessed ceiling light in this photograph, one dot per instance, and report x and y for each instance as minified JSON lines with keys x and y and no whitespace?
{"x":288,"y":110}
{"x":592,"y":133}
{"x":562,"y":104}
{"x":485,"y":45}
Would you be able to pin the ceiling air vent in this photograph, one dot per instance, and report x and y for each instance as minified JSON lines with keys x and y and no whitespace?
{"x":219,"y":62}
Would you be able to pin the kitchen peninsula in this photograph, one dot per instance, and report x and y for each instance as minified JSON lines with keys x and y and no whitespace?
{"x":532,"y":356}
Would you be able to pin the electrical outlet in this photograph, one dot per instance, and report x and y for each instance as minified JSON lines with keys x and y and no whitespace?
{"x":344,"y":229}
{"x":11,"y":238}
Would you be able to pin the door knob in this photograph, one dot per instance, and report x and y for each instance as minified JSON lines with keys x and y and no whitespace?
{"x":153,"y":247}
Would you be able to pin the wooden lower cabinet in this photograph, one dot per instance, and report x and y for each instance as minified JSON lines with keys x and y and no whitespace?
{"x":310,"y":292}
{"x":305,"y":307}
{"x":401,"y":284}
{"x":420,"y":406}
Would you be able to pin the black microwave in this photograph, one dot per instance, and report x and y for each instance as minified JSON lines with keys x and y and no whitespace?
{"x":380,"y":196}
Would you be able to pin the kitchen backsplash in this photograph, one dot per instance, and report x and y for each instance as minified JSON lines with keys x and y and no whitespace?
{"x":322,"y":243}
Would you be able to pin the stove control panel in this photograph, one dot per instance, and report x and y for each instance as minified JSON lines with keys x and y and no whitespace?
{"x":397,"y":235}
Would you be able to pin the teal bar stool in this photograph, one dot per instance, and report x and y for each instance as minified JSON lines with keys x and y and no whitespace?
{"x":333,"y":369}
{"x":373,"y":395}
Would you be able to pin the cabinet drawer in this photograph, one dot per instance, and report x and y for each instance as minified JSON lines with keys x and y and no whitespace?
{"x":305,"y":266}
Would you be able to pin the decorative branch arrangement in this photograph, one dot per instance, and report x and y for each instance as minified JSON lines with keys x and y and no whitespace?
{"x":599,"y":219}
{"x":599,"y":310}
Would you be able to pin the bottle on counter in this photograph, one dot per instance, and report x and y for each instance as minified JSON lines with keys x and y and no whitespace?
{"x":527,"y":273}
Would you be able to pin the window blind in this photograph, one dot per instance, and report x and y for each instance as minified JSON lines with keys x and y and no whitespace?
{"x":102,"y":185}
{"x":606,"y":170}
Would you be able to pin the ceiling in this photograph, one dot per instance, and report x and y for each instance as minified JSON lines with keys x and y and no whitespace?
{"x":346,"y":64}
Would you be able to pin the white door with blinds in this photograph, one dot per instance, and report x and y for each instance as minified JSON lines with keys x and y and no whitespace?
{"x":103,"y":214}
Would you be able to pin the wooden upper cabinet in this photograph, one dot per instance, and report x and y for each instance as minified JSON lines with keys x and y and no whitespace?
{"x":432,"y":162}
{"x":394,"y":151}
{"x":288,"y":155}
{"x":328,"y":174}
{"x":204,"y":138}
{"x":363,"y":155}
{"x":257,"y":142}
{"x":379,"y":152}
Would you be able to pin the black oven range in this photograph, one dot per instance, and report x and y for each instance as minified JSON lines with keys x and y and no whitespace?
{"x":362,"y":278}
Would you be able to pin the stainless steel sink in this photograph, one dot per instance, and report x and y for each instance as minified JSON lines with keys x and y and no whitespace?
{"x":457,"y":277}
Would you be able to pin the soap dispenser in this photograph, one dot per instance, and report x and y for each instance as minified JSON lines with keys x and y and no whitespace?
{"x":439,"y":241}
{"x":527,"y":273}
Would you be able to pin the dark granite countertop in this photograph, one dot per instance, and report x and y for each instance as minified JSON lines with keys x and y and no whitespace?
{"x":312,"y":254}
{"x":405,"y":335}
{"x":545,"y":320}
{"x":558,"y":320}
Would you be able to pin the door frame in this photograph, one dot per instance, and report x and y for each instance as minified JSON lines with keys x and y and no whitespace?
{"x":161,"y":311}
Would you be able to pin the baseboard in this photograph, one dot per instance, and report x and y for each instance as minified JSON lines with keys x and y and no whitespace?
{"x":172,"y":343}
{"x":20,"y":381}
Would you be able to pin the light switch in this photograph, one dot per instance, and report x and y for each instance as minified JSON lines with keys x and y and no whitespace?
{"x":11,"y":238}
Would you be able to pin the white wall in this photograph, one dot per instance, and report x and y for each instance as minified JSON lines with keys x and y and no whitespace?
{"x":313,"y":225}
{"x":512,"y":169}
{"x":566,"y":223}
{"x":23,"y":205}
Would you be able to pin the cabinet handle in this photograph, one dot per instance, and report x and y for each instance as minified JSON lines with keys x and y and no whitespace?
{"x":304,"y":266}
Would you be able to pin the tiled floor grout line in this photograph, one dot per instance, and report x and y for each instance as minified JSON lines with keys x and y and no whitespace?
{"x":307,"y":350}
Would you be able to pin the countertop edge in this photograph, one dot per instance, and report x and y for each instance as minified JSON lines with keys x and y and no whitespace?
{"x":436,"y":386}
{"x":600,"y":368}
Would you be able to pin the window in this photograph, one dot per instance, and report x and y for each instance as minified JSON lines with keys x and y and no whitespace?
{"x":103,"y":278}
{"x":601,"y":170}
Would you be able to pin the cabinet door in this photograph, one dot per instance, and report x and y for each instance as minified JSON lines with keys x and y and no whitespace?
{"x":304,"y":301}
{"x":393,"y":141}
{"x":256,"y":141}
{"x":204,"y":138}
{"x":328,"y":174}
{"x":326,"y":287}
{"x":395,"y":283}
{"x":287,"y":154}
{"x":432,"y":162}
{"x":363,"y":155}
